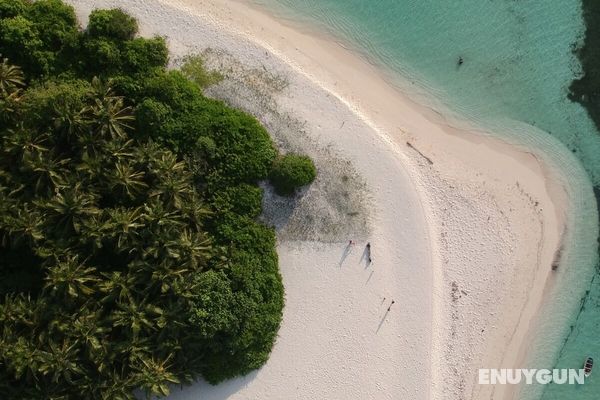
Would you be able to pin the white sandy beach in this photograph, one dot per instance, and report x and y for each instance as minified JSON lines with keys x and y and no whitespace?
{"x":464,"y":227}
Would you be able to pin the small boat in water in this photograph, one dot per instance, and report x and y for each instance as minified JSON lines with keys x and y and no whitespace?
{"x":587,"y":366}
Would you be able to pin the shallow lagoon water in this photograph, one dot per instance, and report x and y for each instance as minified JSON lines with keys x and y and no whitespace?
{"x":506,"y":66}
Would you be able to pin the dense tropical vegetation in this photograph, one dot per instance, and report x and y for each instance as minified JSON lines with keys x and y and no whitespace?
{"x":586,"y":89}
{"x":130,"y":254}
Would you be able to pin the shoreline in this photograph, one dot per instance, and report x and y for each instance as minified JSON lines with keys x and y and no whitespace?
{"x":543,"y":282}
{"x":455,"y":172}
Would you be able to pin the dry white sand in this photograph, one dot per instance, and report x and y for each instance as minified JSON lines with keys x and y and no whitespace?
{"x":464,"y":227}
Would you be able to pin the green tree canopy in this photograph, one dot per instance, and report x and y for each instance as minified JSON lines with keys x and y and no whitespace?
{"x":12,"y":8}
{"x":291,"y":172}
{"x":112,"y":24}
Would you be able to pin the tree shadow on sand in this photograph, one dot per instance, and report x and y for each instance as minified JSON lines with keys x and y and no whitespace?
{"x":332,"y":209}
{"x":205,"y":391}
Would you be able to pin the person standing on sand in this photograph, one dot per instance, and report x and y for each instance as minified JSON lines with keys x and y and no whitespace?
{"x":369,"y":252}
{"x":391,"y":304}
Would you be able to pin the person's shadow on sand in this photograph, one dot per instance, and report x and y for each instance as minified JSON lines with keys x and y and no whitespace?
{"x":382,"y":320}
{"x":366,"y":257}
{"x":345,"y":254}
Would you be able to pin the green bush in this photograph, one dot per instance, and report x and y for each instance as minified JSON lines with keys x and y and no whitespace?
{"x":291,"y":172}
{"x":12,"y":8}
{"x":243,"y":149}
{"x":105,"y":57}
{"x":42,"y":103}
{"x":258,"y":302}
{"x":42,"y":37}
{"x":113,"y":24}
{"x":19,"y":41}
{"x":243,"y":199}
{"x":171,"y":88}
{"x":145,"y":54}
{"x":213,"y":306}
{"x":259,"y":297}
{"x":128,"y":86}
{"x":55,"y":22}
{"x":205,"y":147}
{"x":244,"y":152}
{"x":151,"y":117}
{"x":193,"y":68}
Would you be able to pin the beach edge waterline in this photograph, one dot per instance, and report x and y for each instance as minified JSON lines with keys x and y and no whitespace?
{"x":563,"y":172}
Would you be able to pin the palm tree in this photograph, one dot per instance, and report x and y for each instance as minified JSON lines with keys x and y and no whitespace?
{"x":117,"y":150}
{"x":166,"y":273}
{"x":102,"y":90}
{"x":25,"y":358}
{"x":93,"y":232}
{"x":115,"y":387}
{"x":154,"y":376}
{"x":12,"y":82}
{"x":20,"y":144}
{"x":21,"y":311}
{"x":9,"y":105}
{"x":70,"y":122}
{"x":68,"y":208}
{"x":110,"y":115}
{"x":25,"y":226}
{"x":157,"y":216}
{"x":135,"y":317}
{"x":89,"y":331}
{"x":190,"y":249}
{"x":195,"y":212}
{"x":165,"y":163}
{"x":61,"y":362}
{"x":69,"y":278}
{"x":126,"y":181}
{"x":117,"y":286}
{"x":173,"y":185}
{"x":48,"y":172}
{"x":124,"y":224}
{"x":173,"y":190}
{"x":11,"y":78}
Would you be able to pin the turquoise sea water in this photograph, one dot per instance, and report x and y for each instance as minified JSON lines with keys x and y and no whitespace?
{"x":517,"y":65}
